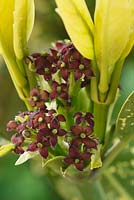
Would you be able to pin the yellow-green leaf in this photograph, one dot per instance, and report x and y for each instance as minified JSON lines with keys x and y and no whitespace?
{"x":23,"y":25}
{"x":112,"y":31}
{"x":132,"y":14}
{"x":6,"y":41}
{"x":79,"y":25}
{"x":6,"y":22}
{"x":131,"y":38}
{"x":96,"y":158}
{"x":6,"y":149}
{"x":128,"y":47}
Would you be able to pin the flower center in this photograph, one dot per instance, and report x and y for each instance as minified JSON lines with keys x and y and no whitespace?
{"x":27,"y":117}
{"x":77,"y":160}
{"x":71,"y":58}
{"x":35,"y":98}
{"x":81,"y":66}
{"x":26,"y":133}
{"x":54,"y":131}
{"x":82,"y":135}
{"x":62,"y":64}
{"x":39,"y":145}
{"x":46,"y":70}
{"x":58,"y":55}
{"x":40,"y":119}
{"x":59,"y":89}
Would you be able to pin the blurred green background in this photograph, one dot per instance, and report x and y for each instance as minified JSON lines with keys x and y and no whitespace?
{"x":28,"y":182}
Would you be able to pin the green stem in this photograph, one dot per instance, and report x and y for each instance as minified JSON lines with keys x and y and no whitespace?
{"x":117,"y":186}
{"x":31,"y":76}
{"x":99,"y":191}
{"x":114,"y":82}
{"x":108,"y":139}
{"x":100,"y":118}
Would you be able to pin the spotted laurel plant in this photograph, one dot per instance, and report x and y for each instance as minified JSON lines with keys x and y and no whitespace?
{"x":56,"y":118}
{"x":71,"y":89}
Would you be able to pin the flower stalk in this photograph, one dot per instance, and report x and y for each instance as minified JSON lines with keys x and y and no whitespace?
{"x":100,"y":118}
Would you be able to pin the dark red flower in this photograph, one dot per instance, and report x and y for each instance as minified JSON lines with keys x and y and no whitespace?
{"x":84,"y":118}
{"x":38,"y":98}
{"x":83,"y":136}
{"x":12,"y":125}
{"x":17,"y":139}
{"x":37,"y":121}
{"x":19,"y":150}
{"x":45,"y":64}
{"x":77,"y":158}
{"x":59,"y":91}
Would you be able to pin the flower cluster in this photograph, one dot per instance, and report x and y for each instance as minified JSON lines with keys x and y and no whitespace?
{"x":83,"y":140}
{"x":41,"y":129}
{"x":65,"y":58}
{"x":36,"y":130}
{"x":62,"y":61}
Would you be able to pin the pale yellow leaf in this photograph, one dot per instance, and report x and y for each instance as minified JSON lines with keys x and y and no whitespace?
{"x":128,"y":47}
{"x":6,"y":22}
{"x":130,"y":43}
{"x":23,"y":25}
{"x":132,"y":14}
{"x":112,"y":31}
{"x":6,"y":149}
{"x":79,"y":25}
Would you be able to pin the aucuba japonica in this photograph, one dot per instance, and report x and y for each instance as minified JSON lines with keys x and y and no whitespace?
{"x":69,"y":89}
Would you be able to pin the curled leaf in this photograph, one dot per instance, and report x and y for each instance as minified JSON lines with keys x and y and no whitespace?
{"x":25,"y":156}
{"x":96,"y":158}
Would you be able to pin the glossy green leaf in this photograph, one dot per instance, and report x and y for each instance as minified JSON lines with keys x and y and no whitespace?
{"x":111,"y":35}
{"x":79,"y":25}
{"x":25,"y":157}
{"x":126,"y":87}
{"x":6,"y":149}
{"x":23,"y":25}
{"x":125,"y":120}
